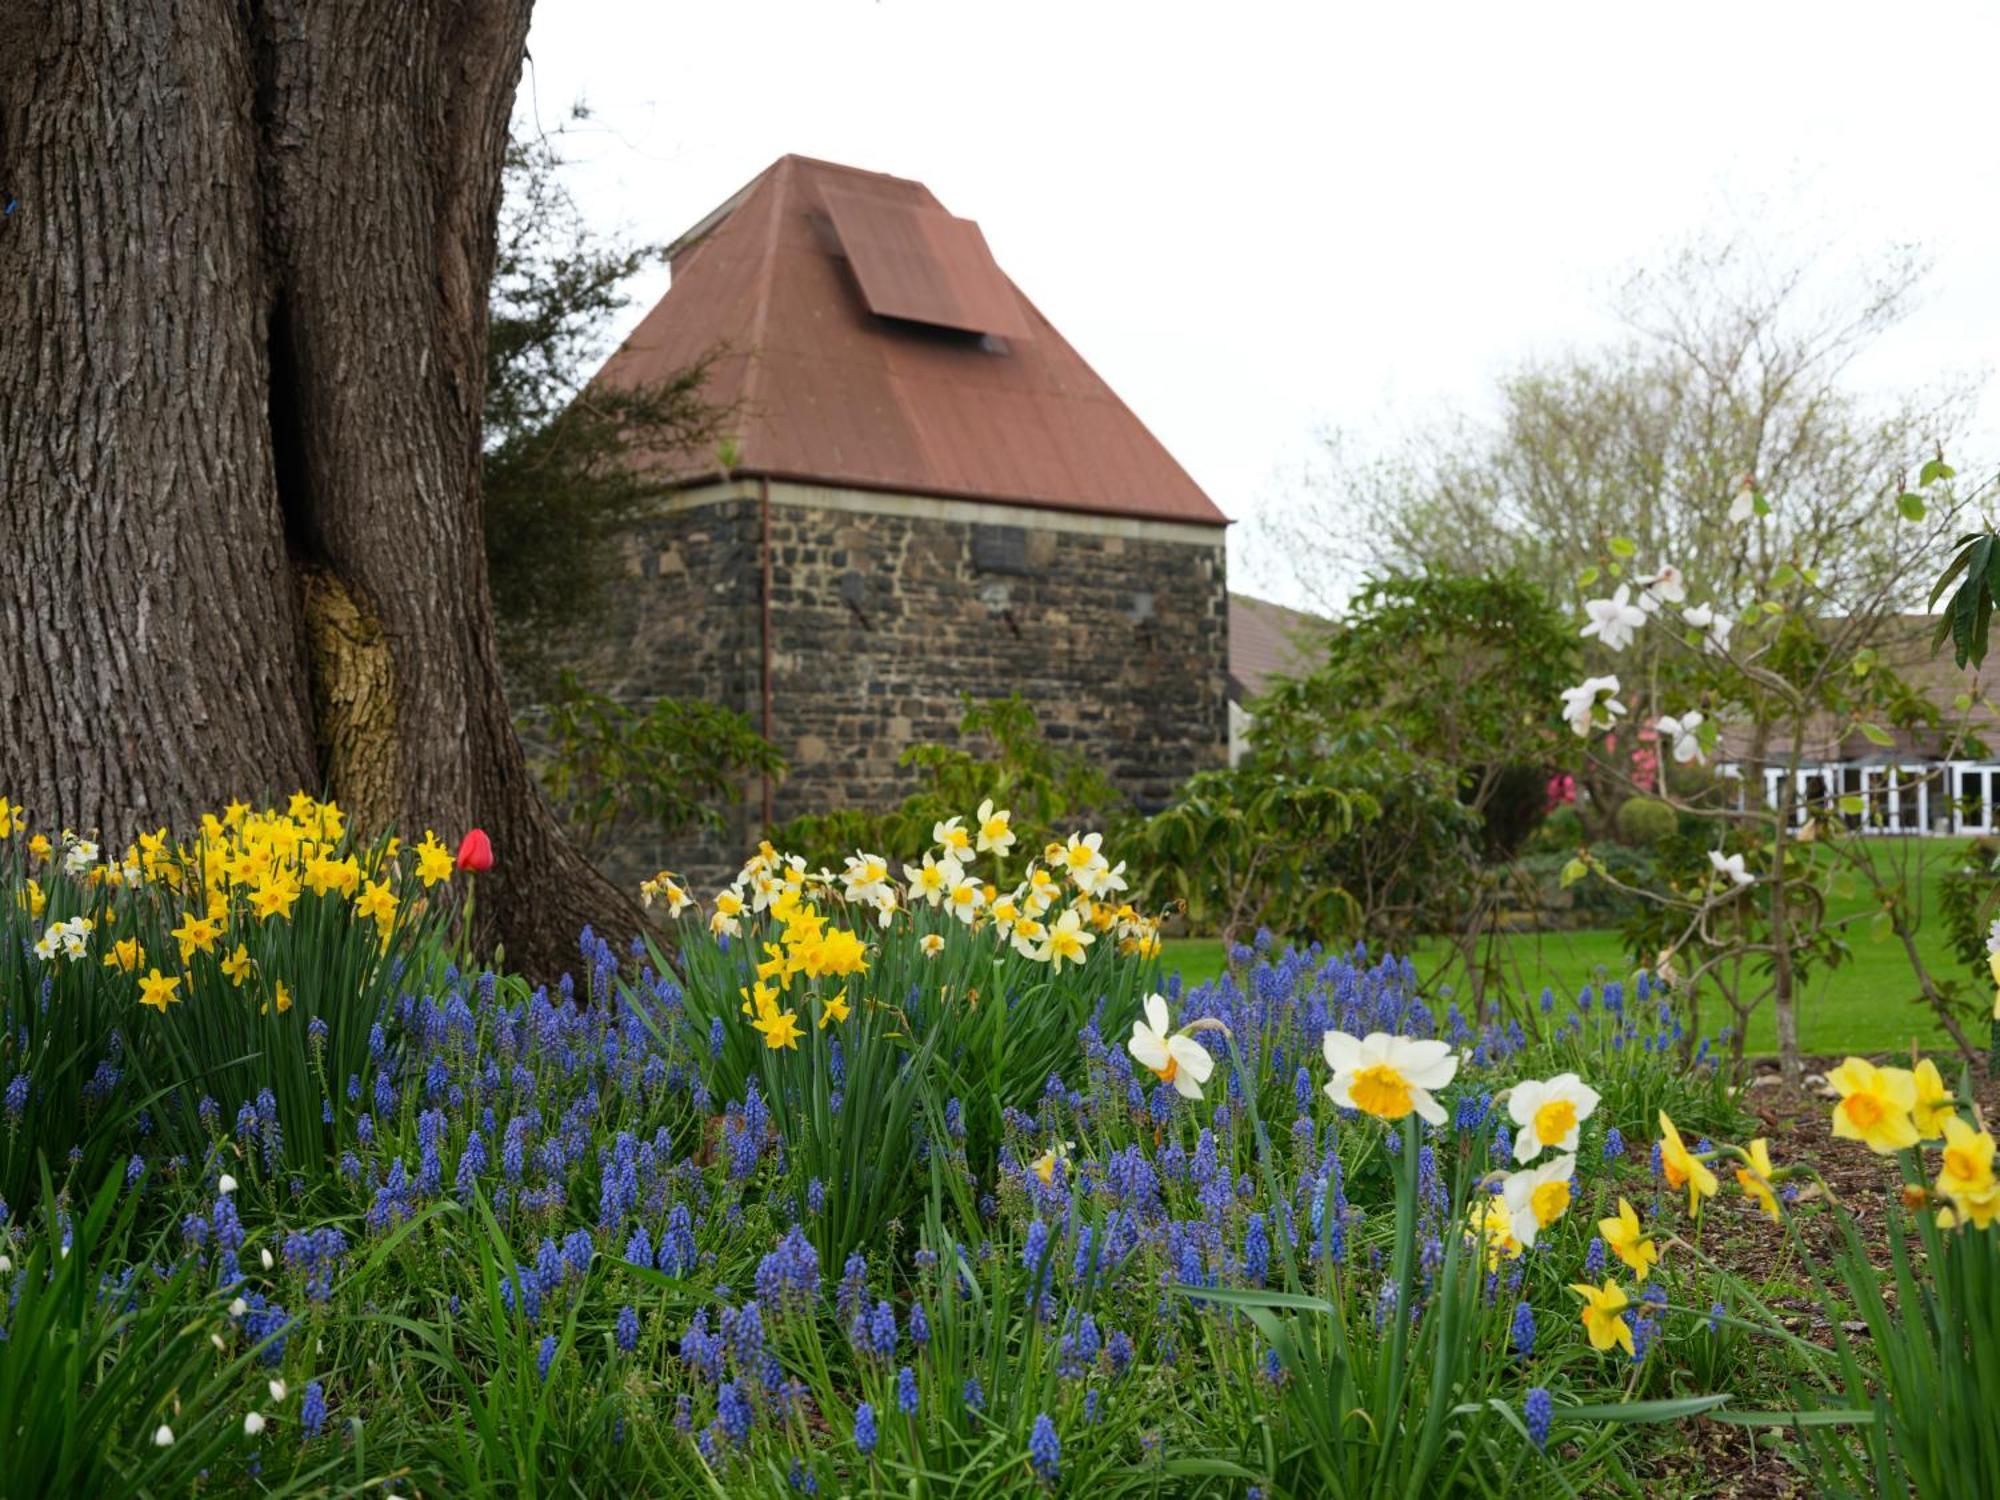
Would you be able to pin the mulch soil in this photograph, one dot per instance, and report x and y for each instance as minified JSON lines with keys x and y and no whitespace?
{"x":1720,"y":1461}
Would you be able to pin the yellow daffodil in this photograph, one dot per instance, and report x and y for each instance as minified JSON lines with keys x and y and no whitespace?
{"x":1547,"y":1114}
{"x":1875,"y":1106}
{"x":996,"y":832}
{"x":196,"y":935}
{"x":1494,"y":1227}
{"x":1044,"y":1166}
{"x":1965,"y":1174}
{"x":1935,"y":1103}
{"x":780,"y":1029}
{"x":274,"y":896}
{"x":156,"y":990}
{"x":1755,"y":1179}
{"x":1172,"y":1056}
{"x":1604,"y":1315}
{"x":237,"y":966}
{"x":434,"y":861}
{"x":1538,"y":1197}
{"x":281,"y":997}
{"x":377,"y":902}
{"x":1388,"y":1076}
{"x":1683,"y":1169}
{"x":1628,"y":1241}
{"x":10,"y":817}
{"x":834,"y":1008}
{"x":126,"y":955}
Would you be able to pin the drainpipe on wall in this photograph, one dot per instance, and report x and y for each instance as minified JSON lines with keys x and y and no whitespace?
{"x":764,"y":508}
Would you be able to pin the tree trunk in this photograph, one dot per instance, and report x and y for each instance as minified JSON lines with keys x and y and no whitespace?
{"x":245,"y":280}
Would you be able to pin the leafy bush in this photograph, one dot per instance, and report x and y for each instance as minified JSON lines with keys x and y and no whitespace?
{"x":672,"y":766}
{"x":1645,"y":821}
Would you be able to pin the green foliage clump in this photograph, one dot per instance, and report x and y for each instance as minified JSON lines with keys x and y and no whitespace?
{"x":1645,"y":821}
{"x":672,"y":766}
{"x":1001,"y":754}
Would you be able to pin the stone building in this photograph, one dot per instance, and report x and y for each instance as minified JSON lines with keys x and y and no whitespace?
{"x":927,"y":493}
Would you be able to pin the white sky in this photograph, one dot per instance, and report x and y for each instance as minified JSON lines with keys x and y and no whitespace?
{"x":1256,"y":219}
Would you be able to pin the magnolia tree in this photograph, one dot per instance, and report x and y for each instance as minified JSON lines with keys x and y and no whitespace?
{"x":1697,"y":706}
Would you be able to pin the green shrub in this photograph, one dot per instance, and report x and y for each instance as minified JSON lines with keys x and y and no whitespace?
{"x":1645,"y":821}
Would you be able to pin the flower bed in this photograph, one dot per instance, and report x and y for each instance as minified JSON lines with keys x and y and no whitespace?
{"x":912,"y":1178}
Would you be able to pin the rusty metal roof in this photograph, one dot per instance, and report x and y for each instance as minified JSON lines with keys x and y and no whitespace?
{"x":789,"y":279}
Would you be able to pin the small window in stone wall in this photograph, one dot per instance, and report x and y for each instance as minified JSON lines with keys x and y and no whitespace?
{"x":1001,"y":549}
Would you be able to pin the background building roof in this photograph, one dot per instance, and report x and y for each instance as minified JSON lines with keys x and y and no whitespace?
{"x":868,"y":339}
{"x":1268,"y":640}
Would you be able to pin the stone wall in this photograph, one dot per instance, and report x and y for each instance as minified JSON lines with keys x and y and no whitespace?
{"x":884,"y":609}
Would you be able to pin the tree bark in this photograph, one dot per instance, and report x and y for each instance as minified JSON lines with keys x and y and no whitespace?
{"x":245,"y":277}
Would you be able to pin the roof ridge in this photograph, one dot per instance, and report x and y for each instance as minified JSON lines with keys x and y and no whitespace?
{"x":760,"y":317}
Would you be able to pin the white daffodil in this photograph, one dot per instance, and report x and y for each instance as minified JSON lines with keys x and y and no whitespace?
{"x":1614,"y":621}
{"x":932,"y":943}
{"x":1083,"y":859}
{"x":865,"y":878}
{"x":1172,"y":1056}
{"x":1582,"y":704}
{"x":1732,"y":866}
{"x":951,"y":837}
{"x":930,"y":881}
{"x":996,"y":831}
{"x":78,"y":856}
{"x":1547,"y":1113}
{"x":1388,"y":1076}
{"x":1538,"y":1197}
{"x":1744,"y":504}
{"x":1044,"y":1166}
{"x":1680,"y":734}
{"x":964,"y":899}
{"x":253,"y":1423}
{"x":885,"y":906}
{"x":1065,"y":942}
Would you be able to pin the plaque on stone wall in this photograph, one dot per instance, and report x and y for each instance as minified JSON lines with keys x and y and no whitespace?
{"x":1000,"y":549}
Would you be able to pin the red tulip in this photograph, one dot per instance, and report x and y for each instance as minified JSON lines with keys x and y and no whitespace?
{"x":475,"y":852}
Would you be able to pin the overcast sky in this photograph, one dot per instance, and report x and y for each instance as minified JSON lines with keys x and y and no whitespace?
{"x":1256,"y":220}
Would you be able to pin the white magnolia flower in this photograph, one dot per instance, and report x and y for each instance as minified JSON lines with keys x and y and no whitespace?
{"x":1744,"y":505}
{"x":225,"y":1184}
{"x":1732,"y":866}
{"x":1388,"y":1076}
{"x":1992,"y":946}
{"x":1668,"y":586}
{"x":253,"y":1423}
{"x":1538,"y":1197}
{"x":163,"y":1437}
{"x":1680,"y":734}
{"x":1717,"y":641}
{"x":996,"y":832}
{"x":1172,"y":1056}
{"x":1614,"y":621}
{"x":1548,"y":1112}
{"x":1581,"y":705}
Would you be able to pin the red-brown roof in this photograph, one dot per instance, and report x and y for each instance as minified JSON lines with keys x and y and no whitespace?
{"x":830,"y":392}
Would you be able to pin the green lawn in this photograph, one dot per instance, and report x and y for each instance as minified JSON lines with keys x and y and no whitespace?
{"x":1863,"y":1005}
